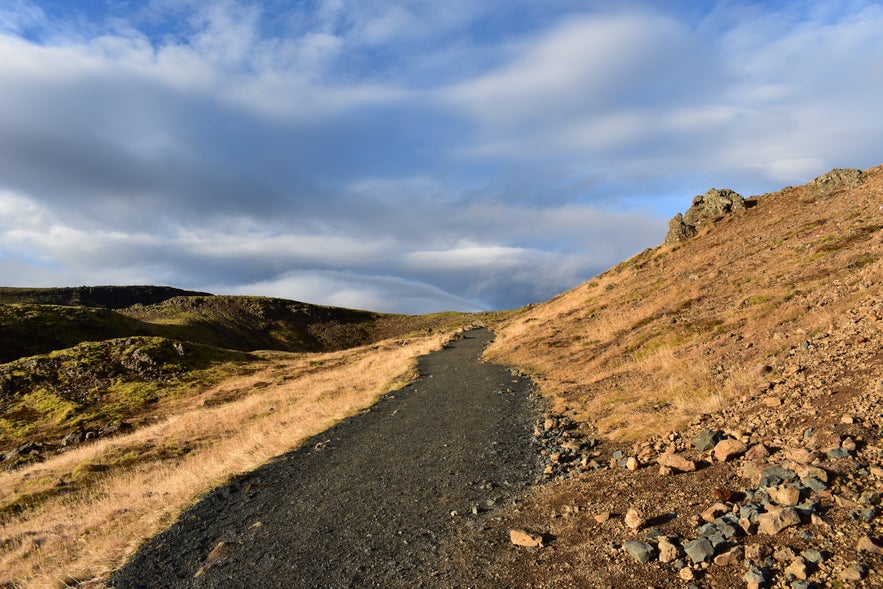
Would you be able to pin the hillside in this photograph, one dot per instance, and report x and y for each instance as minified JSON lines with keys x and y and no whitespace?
{"x":105,"y":297}
{"x":736,"y":369}
{"x":715,"y":416}
{"x":68,"y":371}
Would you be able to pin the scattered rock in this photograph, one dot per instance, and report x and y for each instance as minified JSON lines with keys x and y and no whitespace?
{"x":798,"y":569}
{"x":668,"y":551}
{"x":728,"y":449}
{"x":855,"y":571}
{"x":706,"y":440}
{"x":867,"y":544}
{"x":775,"y":521}
{"x":731,"y":557}
{"x":602,"y":517}
{"x":634,"y":519}
{"x":525,"y":538}
{"x":699,"y":550}
{"x":785,"y":495}
{"x":640,"y":551}
{"x":676,"y":462}
{"x":714,"y":512}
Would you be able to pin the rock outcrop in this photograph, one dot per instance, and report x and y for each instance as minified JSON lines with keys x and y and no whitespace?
{"x":708,"y":207}
{"x":835,"y":181}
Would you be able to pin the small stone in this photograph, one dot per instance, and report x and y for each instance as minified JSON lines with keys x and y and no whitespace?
{"x":797,"y":568}
{"x":699,"y":550}
{"x":812,"y":472}
{"x":687,"y":574}
{"x":837,"y":453}
{"x":730,"y":557}
{"x":785,"y":495}
{"x":848,"y":444}
{"x":602,"y":517}
{"x":525,"y":538}
{"x":728,"y":449}
{"x":801,"y":455}
{"x":784,"y":554}
{"x":855,"y":571}
{"x":757,"y":552}
{"x":706,"y":439}
{"x":758,"y":452}
{"x":775,"y":521}
{"x":847,"y":420}
{"x":634,"y":519}
{"x":668,"y":552}
{"x":676,"y":462}
{"x":714,"y":512}
{"x":640,"y":551}
{"x":631,"y":463}
{"x":755,"y":575}
{"x":812,"y":556}
{"x":772,"y":402}
{"x":867,"y":544}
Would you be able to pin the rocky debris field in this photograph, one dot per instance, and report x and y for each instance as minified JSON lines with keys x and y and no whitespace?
{"x":780,"y":488}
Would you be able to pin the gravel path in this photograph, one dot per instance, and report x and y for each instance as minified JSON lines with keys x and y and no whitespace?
{"x":380,"y":500}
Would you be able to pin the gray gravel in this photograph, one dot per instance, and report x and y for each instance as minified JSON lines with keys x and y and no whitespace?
{"x":380,"y":500}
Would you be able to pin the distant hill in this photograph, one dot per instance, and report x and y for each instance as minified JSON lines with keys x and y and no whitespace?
{"x":105,"y":297}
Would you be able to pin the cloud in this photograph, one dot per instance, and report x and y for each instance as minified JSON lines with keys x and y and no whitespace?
{"x":406,"y":154}
{"x":356,"y":291}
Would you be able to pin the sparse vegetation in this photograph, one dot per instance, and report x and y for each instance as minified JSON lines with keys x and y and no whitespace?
{"x":124,"y":489}
{"x":681,"y":326}
{"x":214,"y":386}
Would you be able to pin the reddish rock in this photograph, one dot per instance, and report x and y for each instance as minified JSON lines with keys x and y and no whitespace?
{"x":728,"y":449}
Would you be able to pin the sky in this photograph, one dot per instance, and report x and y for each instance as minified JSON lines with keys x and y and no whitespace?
{"x":406,"y":156}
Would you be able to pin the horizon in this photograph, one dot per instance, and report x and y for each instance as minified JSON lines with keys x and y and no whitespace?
{"x":406,"y":156}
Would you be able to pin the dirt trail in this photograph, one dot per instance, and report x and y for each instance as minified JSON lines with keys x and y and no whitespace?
{"x":380,"y":500}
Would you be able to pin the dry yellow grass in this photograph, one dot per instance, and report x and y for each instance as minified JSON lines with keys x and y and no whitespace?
{"x":81,"y":535}
{"x":681,"y":329}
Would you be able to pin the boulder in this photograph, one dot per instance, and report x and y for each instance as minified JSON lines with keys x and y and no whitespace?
{"x":834,"y":181}
{"x":708,"y":207}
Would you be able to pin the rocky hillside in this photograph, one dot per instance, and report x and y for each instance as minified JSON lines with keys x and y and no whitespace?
{"x":104,"y":297}
{"x":730,"y":382}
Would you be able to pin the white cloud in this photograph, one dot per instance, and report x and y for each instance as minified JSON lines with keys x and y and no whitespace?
{"x":357,"y":291}
{"x":18,"y":15}
{"x":477,"y":149}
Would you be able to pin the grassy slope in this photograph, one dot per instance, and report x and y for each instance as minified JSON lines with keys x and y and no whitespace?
{"x":70,"y":367}
{"x":681,"y":329}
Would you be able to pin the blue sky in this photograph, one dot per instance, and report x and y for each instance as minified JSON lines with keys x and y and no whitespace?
{"x":408,"y":156}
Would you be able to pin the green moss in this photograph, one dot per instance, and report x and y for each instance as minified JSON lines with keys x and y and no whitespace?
{"x":52,"y":407}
